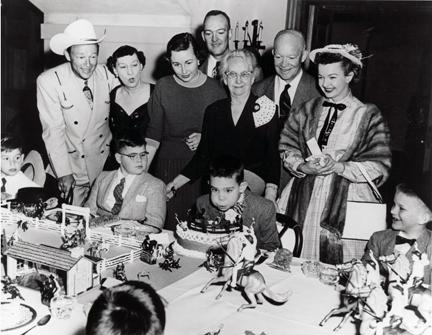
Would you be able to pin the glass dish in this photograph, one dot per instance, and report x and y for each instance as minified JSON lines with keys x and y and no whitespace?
{"x":328,"y":275}
{"x":62,"y":306}
{"x":311,"y":269}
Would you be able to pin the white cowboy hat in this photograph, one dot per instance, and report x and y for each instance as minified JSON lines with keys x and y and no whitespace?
{"x":78,"y":32}
{"x":33,"y":168}
{"x":349,"y":51}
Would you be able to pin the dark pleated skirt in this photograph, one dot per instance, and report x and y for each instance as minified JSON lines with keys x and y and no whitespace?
{"x":167,"y":170}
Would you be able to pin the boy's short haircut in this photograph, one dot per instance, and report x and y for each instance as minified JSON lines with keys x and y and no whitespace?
{"x":132,"y":139}
{"x":131,"y":308}
{"x":410,"y":191}
{"x":407,"y":190}
{"x":227,"y":166}
{"x":9,"y":143}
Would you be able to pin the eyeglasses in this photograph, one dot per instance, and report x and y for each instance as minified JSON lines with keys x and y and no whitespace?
{"x":245,"y":75}
{"x":137,"y":156}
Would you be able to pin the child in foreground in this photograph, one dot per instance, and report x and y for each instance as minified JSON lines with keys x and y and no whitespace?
{"x":12,"y":178}
{"x":410,"y":217}
{"x":230,"y":197}
{"x":131,"y":308}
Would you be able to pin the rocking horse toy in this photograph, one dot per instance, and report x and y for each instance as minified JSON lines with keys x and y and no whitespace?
{"x":241,"y":246}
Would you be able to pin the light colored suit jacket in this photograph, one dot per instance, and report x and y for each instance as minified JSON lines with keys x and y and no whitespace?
{"x":76,"y":137}
{"x":306,"y":89}
{"x":133,"y":207}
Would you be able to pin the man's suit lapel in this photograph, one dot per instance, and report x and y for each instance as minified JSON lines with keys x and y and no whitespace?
{"x":74,"y":92}
{"x":100,"y":97}
{"x":129,"y":200}
{"x":104,"y":189}
{"x":301,"y":91}
{"x":204,"y":66}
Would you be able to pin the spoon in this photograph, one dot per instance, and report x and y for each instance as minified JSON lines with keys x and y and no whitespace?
{"x":43,"y":321}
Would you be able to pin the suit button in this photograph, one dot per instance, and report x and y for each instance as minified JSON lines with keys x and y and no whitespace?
{"x":106,"y":118}
{"x":75,"y":122}
{"x":100,"y":135}
{"x":83,"y":139}
{"x":82,"y":156}
{"x":102,"y":151}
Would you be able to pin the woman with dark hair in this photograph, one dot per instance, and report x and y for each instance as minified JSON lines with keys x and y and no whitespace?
{"x":176,"y":110}
{"x":129,"y":100}
{"x":352,"y":136}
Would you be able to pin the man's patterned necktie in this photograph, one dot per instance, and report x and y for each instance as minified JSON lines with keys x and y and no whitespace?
{"x":88,"y":93}
{"x":118,"y":190}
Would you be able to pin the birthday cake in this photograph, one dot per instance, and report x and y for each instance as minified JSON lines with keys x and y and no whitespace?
{"x":196,"y":235}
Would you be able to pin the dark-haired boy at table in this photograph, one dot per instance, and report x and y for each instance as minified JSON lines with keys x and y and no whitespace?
{"x":12,"y":158}
{"x":133,"y":307}
{"x":410,"y":217}
{"x":228,"y":192}
{"x":129,"y":192}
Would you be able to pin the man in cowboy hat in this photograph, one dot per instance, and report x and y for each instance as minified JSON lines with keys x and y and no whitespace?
{"x":73,"y":103}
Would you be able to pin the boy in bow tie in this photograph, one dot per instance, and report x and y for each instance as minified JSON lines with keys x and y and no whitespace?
{"x":129,"y":192}
{"x":410,"y":216}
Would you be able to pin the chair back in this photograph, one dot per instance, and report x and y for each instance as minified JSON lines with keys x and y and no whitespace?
{"x":284,"y":223}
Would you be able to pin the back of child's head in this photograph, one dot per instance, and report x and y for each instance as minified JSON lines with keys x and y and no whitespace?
{"x":132,"y":139}
{"x":228,"y":167}
{"x":131,"y":308}
{"x":10,"y":143}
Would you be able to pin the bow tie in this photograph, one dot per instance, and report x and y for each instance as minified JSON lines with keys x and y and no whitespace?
{"x":402,"y":240}
{"x":339,"y":107}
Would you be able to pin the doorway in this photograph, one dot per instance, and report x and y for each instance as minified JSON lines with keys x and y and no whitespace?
{"x":396,"y":39}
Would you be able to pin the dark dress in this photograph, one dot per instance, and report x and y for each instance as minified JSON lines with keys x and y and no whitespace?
{"x":121,"y":123}
{"x":176,"y":112}
{"x":257,"y":147}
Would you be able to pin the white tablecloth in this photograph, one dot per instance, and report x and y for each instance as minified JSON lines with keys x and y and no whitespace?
{"x":190,"y":312}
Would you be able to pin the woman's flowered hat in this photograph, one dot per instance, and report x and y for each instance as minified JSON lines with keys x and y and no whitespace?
{"x":349,"y":51}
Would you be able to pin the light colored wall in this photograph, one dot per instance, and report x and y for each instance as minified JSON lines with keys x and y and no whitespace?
{"x":150,"y":33}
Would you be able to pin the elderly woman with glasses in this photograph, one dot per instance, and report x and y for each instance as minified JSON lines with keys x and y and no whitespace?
{"x":242,"y":126}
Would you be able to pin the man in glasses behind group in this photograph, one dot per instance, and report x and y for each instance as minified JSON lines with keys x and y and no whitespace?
{"x":129,"y":192}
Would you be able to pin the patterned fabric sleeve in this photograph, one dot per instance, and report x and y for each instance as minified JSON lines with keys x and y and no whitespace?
{"x":288,"y":145}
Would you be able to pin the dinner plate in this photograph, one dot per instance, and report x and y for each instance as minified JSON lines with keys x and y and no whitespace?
{"x":130,"y":228}
{"x":9,"y":322}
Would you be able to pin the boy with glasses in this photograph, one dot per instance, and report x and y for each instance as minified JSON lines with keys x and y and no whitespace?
{"x":129,"y":192}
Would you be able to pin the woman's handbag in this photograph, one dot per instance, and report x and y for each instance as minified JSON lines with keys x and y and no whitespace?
{"x":364,"y":218}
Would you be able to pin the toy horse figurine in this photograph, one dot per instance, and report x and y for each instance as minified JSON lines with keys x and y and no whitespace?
{"x":362,"y":293}
{"x":251,"y":281}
